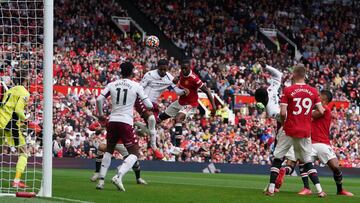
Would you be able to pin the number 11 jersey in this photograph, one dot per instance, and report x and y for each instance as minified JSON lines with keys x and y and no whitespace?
{"x":123,"y":94}
{"x":300,"y":100}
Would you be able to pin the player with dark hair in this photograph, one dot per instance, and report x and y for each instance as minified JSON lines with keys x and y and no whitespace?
{"x":187,"y":103}
{"x":268,"y":98}
{"x":155,"y":82}
{"x":12,"y":115}
{"x":124,"y":93}
{"x":297,"y":103}
{"x":321,"y":147}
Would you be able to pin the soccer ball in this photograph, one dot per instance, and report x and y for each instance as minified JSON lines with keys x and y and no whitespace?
{"x":152,"y":41}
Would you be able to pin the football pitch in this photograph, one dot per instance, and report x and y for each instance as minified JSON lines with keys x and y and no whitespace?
{"x":72,"y":185}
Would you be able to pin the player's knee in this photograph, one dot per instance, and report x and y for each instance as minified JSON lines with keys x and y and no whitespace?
{"x":336,"y":170}
{"x":148,"y":114}
{"x":25,"y":155}
{"x":102,"y":148}
{"x":133,"y":150}
{"x":180,"y":117}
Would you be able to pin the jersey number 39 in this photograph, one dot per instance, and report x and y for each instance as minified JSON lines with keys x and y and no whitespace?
{"x":302,"y":103}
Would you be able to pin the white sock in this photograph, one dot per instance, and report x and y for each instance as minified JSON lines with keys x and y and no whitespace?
{"x":16,"y":180}
{"x":318,"y":187}
{"x":126,"y":165}
{"x":271,"y":187}
{"x":151,"y":125}
{"x":105,"y":163}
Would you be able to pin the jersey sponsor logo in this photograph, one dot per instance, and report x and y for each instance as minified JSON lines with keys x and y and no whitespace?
{"x":186,"y":82}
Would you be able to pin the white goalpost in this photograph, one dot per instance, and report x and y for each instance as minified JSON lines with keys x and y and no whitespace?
{"x":48,"y":97}
{"x":26,"y":47}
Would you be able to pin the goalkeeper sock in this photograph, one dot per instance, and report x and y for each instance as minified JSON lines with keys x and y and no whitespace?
{"x":105,"y":163}
{"x":151,"y":125}
{"x":126,"y":165}
{"x":20,"y":166}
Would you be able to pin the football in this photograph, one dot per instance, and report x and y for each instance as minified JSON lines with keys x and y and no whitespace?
{"x":152,"y":41}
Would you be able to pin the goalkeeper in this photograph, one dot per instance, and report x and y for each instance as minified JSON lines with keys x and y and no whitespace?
{"x":12,"y":114}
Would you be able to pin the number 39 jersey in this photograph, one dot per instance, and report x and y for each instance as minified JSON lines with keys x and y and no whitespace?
{"x":123,"y":94}
{"x":300,"y":100}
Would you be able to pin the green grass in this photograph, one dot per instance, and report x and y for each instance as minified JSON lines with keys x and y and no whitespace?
{"x":187,"y":187}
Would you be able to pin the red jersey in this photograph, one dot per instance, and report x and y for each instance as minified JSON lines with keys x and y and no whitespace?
{"x":300,"y":100}
{"x":320,"y":128}
{"x":192,"y":83}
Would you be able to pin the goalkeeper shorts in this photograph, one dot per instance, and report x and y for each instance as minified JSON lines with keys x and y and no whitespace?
{"x":12,"y":137}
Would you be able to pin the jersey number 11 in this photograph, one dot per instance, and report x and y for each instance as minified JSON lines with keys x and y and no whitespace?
{"x":118,"y":95}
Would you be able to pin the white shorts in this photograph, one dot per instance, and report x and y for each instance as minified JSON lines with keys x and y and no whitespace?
{"x":323,"y":152}
{"x":176,"y":108}
{"x":302,"y":147}
{"x":290,"y":155}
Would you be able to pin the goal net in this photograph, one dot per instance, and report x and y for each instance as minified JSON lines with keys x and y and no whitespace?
{"x":22,"y":57}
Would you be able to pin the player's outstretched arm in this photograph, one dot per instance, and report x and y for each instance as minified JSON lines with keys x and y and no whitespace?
{"x":275,"y":73}
{"x":209,"y":95}
{"x":146,"y":101}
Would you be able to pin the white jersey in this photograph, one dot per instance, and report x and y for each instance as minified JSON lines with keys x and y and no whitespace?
{"x":123,"y":94}
{"x":154,"y":85}
{"x":273,"y":107}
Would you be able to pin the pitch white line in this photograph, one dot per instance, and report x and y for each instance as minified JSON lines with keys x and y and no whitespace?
{"x":70,"y":200}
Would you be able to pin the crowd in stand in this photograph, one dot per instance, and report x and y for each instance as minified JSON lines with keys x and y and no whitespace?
{"x":220,"y":36}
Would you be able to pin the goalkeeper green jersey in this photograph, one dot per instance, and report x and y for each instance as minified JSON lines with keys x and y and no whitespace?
{"x":13,"y":102}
